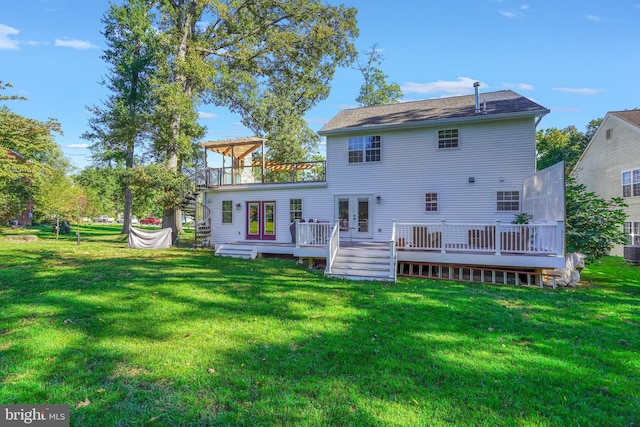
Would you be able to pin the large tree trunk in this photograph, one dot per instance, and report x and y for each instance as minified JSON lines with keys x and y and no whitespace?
{"x":128,"y":197}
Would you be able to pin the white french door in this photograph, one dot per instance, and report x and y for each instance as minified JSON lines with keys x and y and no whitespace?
{"x":354,"y":215}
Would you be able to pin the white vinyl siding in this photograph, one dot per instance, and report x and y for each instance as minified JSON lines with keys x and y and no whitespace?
{"x":499,"y":155}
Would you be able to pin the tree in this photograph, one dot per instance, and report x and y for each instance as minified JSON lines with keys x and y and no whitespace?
{"x":122,"y":123}
{"x":593,"y":225}
{"x":259,"y":58}
{"x":375,"y":90}
{"x":59,"y":198}
{"x":103,"y":188}
{"x":554,"y":145}
{"x":38,"y":156}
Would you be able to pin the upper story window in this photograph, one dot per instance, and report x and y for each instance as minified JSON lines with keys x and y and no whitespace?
{"x":448,"y":138}
{"x":508,"y":200}
{"x":227,"y":211}
{"x":364,"y":149}
{"x":631,"y":183}
{"x":295,"y":209}
{"x":431,"y":202}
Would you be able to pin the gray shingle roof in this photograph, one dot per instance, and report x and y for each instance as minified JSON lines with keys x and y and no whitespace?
{"x":631,"y":116}
{"x":503,"y":103}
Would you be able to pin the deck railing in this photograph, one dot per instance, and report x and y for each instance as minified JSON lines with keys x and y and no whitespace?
{"x":538,"y":239}
{"x":270,"y":173}
{"x":333,"y":246}
{"x":393,"y":258}
{"x":313,"y":233}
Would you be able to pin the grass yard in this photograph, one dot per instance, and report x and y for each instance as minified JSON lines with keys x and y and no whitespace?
{"x":179,"y":337}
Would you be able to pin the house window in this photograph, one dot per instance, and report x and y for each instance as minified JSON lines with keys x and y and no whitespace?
{"x":448,"y":138}
{"x":364,"y":149}
{"x":632,"y":230}
{"x":431,"y":202}
{"x":227,"y":211}
{"x":631,"y":183}
{"x":295,"y":209}
{"x":609,"y":133}
{"x":508,"y":200}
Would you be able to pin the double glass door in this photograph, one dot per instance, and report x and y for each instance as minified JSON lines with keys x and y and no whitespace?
{"x":261,"y":220}
{"x":354,"y":216}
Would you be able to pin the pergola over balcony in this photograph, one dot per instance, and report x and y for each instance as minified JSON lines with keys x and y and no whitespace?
{"x":265,"y":172}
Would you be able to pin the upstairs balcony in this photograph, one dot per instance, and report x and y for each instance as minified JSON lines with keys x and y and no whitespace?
{"x":255,"y":169}
{"x":267,"y":173}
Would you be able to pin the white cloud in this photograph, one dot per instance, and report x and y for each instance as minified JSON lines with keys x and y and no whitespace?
{"x":75,"y":44}
{"x":203,"y":115}
{"x":578,"y":91}
{"x":514,"y":13}
{"x":460,"y":86}
{"x":594,"y":18}
{"x":78,"y":146}
{"x":6,"y":42}
{"x":517,"y":86}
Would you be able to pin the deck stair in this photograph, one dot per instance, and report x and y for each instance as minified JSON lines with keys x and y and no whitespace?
{"x":363,"y":262}
{"x":237,"y":251}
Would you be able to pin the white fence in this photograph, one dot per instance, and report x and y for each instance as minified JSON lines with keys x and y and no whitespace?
{"x":538,"y":239}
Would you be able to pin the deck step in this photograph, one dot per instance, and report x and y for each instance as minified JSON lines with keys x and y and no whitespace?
{"x":357,"y":263}
{"x":237,"y":251}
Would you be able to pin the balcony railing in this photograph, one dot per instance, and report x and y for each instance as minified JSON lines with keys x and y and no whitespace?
{"x":270,"y":173}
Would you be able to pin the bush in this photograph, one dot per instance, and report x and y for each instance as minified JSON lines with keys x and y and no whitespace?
{"x":594,"y":225}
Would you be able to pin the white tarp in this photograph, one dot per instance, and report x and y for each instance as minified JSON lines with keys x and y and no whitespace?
{"x":147,"y":239}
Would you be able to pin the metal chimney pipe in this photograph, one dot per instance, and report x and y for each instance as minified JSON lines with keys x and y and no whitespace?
{"x":476,"y":85}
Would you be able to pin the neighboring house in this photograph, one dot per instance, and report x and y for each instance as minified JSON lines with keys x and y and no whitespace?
{"x":426,"y":188}
{"x":24,"y":217}
{"x":610,"y":167}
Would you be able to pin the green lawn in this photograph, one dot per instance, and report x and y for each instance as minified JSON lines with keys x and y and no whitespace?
{"x":180,"y":337}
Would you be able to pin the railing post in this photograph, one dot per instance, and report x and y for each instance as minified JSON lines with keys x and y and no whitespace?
{"x":297,"y":232}
{"x":497,"y":237}
{"x":444,"y":237}
{"x":560,"y":238}
{"x":392,"y":250}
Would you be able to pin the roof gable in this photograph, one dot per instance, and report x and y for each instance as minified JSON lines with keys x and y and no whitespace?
{"x":416,"y":113}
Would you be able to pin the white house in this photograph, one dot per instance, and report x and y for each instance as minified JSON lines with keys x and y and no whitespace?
{"x":610,"y":167}
{"x":426,"y":188}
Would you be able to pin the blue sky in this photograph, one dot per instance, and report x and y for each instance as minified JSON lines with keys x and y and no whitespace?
{"x":579,"y":58}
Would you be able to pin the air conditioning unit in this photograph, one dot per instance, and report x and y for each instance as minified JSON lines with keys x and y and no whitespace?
{"x":632,"y":253}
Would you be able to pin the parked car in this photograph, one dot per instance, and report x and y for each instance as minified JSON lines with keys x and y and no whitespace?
{"x":133,"y":220}
{"x":150,"y":220}
{"x":104,"y":219}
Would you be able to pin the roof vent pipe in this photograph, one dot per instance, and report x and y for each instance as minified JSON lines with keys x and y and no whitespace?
{"x":476,"y":85}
